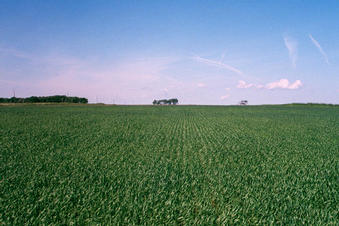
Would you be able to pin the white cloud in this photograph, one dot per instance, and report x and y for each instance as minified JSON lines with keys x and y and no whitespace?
{"x":243,"y":85}
{"x":295,"y":85}
{"x":316,"y":43}
{"x":281,"y":84}
{"x":218,"y":64}
{"x":284,"y":84}
{"x":292,"y":47}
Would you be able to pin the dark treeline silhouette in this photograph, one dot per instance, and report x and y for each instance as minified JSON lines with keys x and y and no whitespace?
{"x":312,"y":104}
{"x":47,"y":99}
{"x":243,"y":102}
{"x":165,"y":101}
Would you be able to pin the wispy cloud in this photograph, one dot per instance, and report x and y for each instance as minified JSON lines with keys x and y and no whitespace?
{"x":201,"y":85}
{"x":136,"y":81}
{"x":217,"y":64}
{"x":292,"y":47}
{"x":227,"y":95}
{"x":57,"y":60}
{"x":243,"y":85}
{"x":281,"y":84}
{"x":131,"y":81}
{"x":316,"y":43}
{"x":14,"y":53}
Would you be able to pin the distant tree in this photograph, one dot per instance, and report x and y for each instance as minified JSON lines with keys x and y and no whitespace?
{"x":173,"y":101}
{"x":14,"y":100}
{"x":243,"y":102}
{"x":83,"y":100}
{"x":49,"y":99}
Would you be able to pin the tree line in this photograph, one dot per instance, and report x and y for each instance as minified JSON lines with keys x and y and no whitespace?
{"x":173,"y":101}
{"x":45,"y":99}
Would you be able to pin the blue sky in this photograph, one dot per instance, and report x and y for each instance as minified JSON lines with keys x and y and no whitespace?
{"x":202,"y":52}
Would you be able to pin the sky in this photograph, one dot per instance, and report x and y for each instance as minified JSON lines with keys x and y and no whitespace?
{"x":201,"y":52}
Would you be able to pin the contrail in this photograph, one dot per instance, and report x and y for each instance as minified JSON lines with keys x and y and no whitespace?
{"x":292,"y":47}
{"x":316,"y":43}
{"x":217,"y":64}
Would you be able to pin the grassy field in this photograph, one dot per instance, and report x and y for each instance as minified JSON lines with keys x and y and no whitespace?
{"x":169,"y":164}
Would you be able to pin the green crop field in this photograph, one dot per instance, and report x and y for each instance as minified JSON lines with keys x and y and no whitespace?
{"x":65,"y":164}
